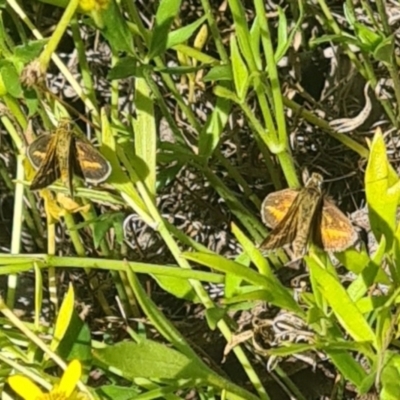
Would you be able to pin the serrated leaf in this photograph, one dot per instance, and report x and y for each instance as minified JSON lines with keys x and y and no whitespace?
{"x":166,"y":13}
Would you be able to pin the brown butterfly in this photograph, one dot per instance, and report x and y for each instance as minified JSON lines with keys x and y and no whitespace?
{"x":297,"y":216}
{"x":63,"y":154}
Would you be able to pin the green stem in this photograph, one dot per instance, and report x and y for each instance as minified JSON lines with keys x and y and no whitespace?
{"x":62,"y":26}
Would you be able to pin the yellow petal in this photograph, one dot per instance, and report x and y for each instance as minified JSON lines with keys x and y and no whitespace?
{"x":87,"y":5}
{"x":70,"y":377}
{"x":24,"y":387}
{"x":53,"y":211}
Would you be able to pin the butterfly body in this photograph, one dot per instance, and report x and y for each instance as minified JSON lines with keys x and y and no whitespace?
{"x":64,"y":154}
{"x":298,"y":216}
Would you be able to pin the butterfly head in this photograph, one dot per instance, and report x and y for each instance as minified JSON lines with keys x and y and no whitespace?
{"x":315,"y":181}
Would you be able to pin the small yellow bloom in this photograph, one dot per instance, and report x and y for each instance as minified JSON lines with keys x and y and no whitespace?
{"x":93,"y":5}
{"x":28,"y":390}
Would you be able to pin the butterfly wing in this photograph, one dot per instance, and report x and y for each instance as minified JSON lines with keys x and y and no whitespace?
{"x":49,"y":170}
{"x":37,"y":150}
{"x":89,"y":163}
{"x":335,"y":233}
{"x":285,"y":231}
{"x":276,"y":205}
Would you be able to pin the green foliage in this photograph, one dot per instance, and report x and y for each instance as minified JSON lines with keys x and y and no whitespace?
{"x":234,"y":74}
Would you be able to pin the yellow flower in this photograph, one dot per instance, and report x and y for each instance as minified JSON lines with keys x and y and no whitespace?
{"x":28,"y":390}
{"x":93,"y":5}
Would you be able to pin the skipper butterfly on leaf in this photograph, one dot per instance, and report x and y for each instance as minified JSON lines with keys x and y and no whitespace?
{"x":63,"y":154}
{"x":298,"y":216}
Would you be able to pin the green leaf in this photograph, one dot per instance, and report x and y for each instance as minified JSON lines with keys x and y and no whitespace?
{"x":103,"y":223}
{"x":118,"y":176}
{"x":239,"y":69}
{"x":360,"y":286}
{"x":181,"y":35}
{"x":349,"y":14}
{"x":338,"y":299}
{"x":31,"y":100}
{"x":354,"y":260}
{"x":180,"y":288}
{"x":282,"y":30}
{"x":179,"y":70}
{"x":167,"y":175}
{"x":124,"y":68}
{"x":116,"y":30}
{"x":151,"y":360}
{"x":64,"y":318}
{"x":385,"y":322}
{"x":382,"y":189}
{"x":284,"y":42}
{"x":213,"y":128}
{"x":279,"y":295}
{"x":367,"y":36}
{"x":390,"y":376}
{"x":342,"y":38}
{"x":119,"y":229}
{"x":219,"y":73}
{"x":396,"y":257}
{"x":233,"y":281}
{"x":253,"y":252}
{"x":385,"y":50}
{"x":255,"y":40}
{"x":28,"y":52}
{"x":166,"y":13}
{"x":71,"y":335}
{"x":11,"y":81}
{"x":144,"y":126}
{"x":214,"y":315}
{"x":347,"y":366}
{"x":115,"y":392}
